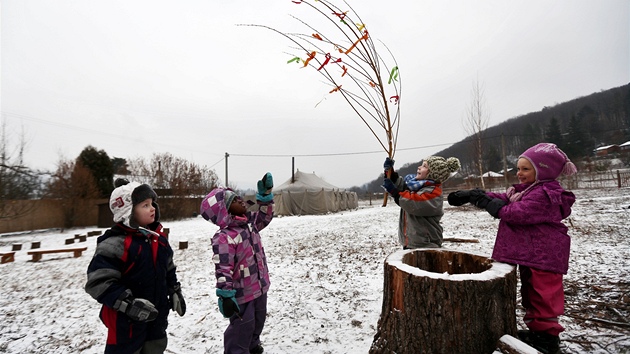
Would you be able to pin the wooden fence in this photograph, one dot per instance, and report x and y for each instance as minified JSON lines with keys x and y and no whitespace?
{"x":52,"y":213}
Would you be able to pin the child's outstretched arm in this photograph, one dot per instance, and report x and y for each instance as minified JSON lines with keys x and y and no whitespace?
{"x":492,"y":205}
{"x":264,"y":186}
{"x":264,"y":197}
{"x":459,"y":198}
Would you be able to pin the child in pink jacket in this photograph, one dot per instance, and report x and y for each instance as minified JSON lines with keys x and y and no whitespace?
{"x":240,"y":263}
{"x":532,"y":235}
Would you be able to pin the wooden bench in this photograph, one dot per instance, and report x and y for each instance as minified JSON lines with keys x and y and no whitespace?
{"x":7,"y":257}
{"x":37,"y":255}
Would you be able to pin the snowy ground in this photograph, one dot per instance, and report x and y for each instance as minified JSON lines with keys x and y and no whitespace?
{"x":326,"y":273}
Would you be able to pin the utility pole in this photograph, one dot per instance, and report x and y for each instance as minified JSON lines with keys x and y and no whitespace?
{"x":226,"y":168}
{"x":505,"y":172}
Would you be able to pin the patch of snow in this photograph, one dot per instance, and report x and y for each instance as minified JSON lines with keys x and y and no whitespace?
{"x":326,"y":281}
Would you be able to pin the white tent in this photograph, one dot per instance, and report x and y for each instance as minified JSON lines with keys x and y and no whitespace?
{"x":308,"y":194}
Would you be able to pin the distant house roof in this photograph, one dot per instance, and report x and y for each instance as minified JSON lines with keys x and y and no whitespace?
{"x":625,"y":145}
{"x":492,"y":174}
{"x":605,"y":147}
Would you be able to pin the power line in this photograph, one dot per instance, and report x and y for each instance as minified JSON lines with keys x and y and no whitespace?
{"x":338,"y":154}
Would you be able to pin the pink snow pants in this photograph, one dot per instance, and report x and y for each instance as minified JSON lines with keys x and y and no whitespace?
{"x":543,"y":299}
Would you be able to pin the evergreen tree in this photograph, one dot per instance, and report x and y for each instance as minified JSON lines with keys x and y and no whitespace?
{"x":99,"y":163}
{"x":626,"y":107}
{"x":597,"y":128}
{"x":553,"y":134}
{"x":119,"y":165}
{"x":578,"y":142}
{"x":531,"y":137}
{"x":492,"y":159}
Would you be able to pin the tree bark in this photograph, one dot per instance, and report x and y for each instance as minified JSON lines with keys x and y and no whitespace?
{"x":439,"y":301}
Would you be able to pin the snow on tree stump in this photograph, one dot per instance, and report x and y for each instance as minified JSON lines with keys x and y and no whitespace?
{"x":440,"y":301}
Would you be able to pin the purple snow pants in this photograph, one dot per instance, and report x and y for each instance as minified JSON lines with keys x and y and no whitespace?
{"x":543,"y":299}
{"x":243,"y":333}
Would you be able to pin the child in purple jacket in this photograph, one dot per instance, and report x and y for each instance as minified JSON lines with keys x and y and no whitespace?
{"x":532,"y":235}
{"x":240,"y":263}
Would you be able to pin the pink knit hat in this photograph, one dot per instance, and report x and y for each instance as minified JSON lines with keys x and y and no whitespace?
{"x":549,"y":161}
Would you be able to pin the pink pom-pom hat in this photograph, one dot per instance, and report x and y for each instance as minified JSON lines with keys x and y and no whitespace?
{"x":549,"y":161}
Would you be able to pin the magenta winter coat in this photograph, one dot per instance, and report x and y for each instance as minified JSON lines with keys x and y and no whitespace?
{"x":239,"y":256}
{"x":531,"y":232}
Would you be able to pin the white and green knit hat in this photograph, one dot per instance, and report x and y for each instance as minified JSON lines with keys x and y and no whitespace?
{"x":440,"y":169}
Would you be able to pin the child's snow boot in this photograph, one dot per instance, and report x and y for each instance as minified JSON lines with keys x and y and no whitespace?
{"x":257,"y":350}
{"x":541,"y":341}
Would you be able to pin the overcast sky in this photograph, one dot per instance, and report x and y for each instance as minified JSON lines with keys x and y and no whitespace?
{"x":138,"y":77}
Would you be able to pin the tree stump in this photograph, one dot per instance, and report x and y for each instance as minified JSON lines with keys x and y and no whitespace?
{"x":16,"y":247}
{"x":183,"y":245}
{"x":35,"y":244}
{"x":440,"y":301}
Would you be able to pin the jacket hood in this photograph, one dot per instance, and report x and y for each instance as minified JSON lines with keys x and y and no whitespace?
{"x":213,"y":207}
{"x":559,"y":196}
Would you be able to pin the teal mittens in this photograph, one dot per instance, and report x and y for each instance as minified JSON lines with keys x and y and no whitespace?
{"x":265,"y":185}
{"x":227,"y":303}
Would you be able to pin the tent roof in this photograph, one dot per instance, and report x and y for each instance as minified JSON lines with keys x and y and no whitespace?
{"x":305,"y":182}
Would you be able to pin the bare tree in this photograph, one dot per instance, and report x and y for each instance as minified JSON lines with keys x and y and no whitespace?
{"x":475,"y":123}
{"x":17,"y":181}
{"x":174,"y":177}
{"x":342,"y":50}
{"x":166,"y":171}
{"x":71,"y":183}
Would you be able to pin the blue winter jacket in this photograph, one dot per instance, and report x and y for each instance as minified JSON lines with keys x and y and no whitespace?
{"x":126,"y":258}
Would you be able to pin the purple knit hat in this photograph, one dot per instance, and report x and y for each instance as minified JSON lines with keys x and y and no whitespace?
{"x":549,"y":161}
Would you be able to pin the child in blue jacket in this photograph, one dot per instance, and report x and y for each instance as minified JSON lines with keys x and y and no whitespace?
{"x":132,"y":274}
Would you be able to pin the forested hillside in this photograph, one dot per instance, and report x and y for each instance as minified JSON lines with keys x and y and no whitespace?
{"x":578,"y":127}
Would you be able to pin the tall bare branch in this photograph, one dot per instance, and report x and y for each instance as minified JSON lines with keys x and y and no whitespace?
{"x":347,"y":57}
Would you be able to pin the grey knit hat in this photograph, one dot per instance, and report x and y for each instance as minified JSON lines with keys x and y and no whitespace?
{"x":229,"y":198}
{"x":440,"y":169}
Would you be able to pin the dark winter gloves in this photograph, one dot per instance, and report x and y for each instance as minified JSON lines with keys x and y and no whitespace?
{"x":388,"y":182}
{"x":478,"y":198}
{"x":390,"y":187}
{"x":464,"y":196}
{"x":176,"y":300}
{"x":459,"y":198}
{"x":388,"y":164}
{"x":227,"y":303}
{"x":142,"y":310}
{"x":137,"y":309}
{"x":494,"y":205}
{"x":265,"y":185}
